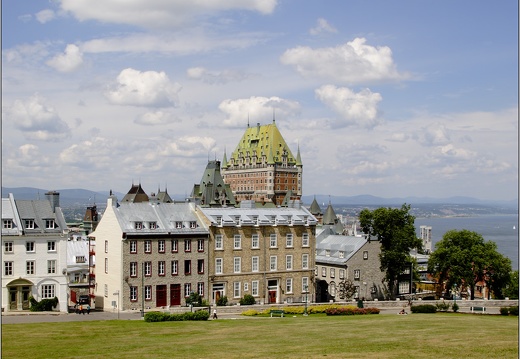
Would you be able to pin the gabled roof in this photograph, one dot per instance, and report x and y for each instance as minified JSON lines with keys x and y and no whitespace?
{"x":136,"y":194}
{"x":40,"y":211}
{"x":334,"y":244}
{"x":212,"y":191}
{"x":9,"y":212}
{"x":263,"y":140}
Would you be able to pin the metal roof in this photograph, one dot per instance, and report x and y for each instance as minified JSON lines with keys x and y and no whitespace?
{"x":335,"y":244}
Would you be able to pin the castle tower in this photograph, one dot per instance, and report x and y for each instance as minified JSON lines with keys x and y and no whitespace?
{"x":262,"y":167}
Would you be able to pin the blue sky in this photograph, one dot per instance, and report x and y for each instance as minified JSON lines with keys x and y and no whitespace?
{"x":389,"y":98}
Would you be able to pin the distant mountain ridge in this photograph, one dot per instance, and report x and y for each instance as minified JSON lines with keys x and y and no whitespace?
{"x":83,"y":197}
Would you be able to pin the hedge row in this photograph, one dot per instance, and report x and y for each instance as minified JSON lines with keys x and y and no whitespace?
{"x":167,"y":317}
{"x":423,"y":308}
{"x":351,"y":311}
{"x":45,"y":305}
{"x":315,"y":309}
{"x":509,"y":310}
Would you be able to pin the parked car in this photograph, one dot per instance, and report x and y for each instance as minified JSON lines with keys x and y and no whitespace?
{"x":83,"y":299}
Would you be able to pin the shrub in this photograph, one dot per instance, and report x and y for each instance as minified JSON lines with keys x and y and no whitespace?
{"x":247,"y":300}
{"x":423,"y":308}
{"x":349,"y":310}
{"x":164,"y":317}
{"x":222,"y":301}
{"x":45,"y":305}
{"x":250,"y":312}
{"x":504,"y":310}
{"x":509,"y":310}
{"x":442,"y":307}
{"x":455,"y":307}
{"x":194,"y":299}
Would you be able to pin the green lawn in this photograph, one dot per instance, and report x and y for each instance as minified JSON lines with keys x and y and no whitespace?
{"x":445,"y":335}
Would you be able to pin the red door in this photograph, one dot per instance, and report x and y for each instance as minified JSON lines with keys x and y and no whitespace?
{"x":175,"y":294}
{"x":272,"y":296}
{"x":160,"y":294}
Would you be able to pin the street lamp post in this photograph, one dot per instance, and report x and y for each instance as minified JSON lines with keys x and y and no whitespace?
{"x":305,"y":308}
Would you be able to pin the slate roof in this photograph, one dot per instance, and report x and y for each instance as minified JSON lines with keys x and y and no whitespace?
{"x":40,"y":211}
{"x":9,"y":212}
{"x":212,"y":191}
{"x":349,"y":245}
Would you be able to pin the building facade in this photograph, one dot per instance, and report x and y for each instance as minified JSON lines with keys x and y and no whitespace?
{"x":34,"y":252}
{"x":149,"y":254}
{"x":262,"y":167}
{"x":265,"y":252}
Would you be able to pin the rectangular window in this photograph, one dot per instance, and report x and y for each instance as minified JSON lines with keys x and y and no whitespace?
{"x":254,"y":264}
{"x":187,"y":289}
{"x":323,"y":272}
{"x":288,"y":262}
{"x":200,"y":266}
{"x":29,"y":223}
{"x":272,"y":263}
{"x":29,"y":267}
{"x":218,"y":265}
{"x":341,"y":254}
{"x":29,"y":246}
{"x":138,"y":225}
{"x":148,"y":269}
{"x":218,"y":241}
{"x":272,"y":241}
{"x":161,"y":246}
{"x":133,"y":246}
{"x":236,"y":289}
{"x":341,"y":274}
{"x":48,"y":291}
{"x":255,"y":241}
{"x":175,"y":267}
{"x":148,"y":246}
{"x":357,"y":274}
{"x":237,"y":241}
{"x":50,"y":224}
{"x":365,"y":254}
{"x":133,"y":294}
{"x":51,"y":246}
{"x":200,"y":245}
{"x":106,"y":246}
{"x":289,"y":240}
{"x":187,"y":267}
{"x":81,"y":259}
{"x":187,"y":245}
{"x":236,"y":264}
{"x":305,"y":261}
{"x":106,"y":290}
{"x":178,"y":225}
{"x":152,"y":225}
{"x":305,"y":284}
{"x":404,"y":287}
{"x":8,"y":247}
{"x":200,"y":288}
{"x":51,"y":267}
{"x":147,"y":292}
{"x":254,"y":288}
{"x":175,"y":245}
{"x":106,"y":265}
{"x":246,"y":287}
{"x":193,"y":224}
{"x":332,"y":272}
{"x":161,"y":269}
{"x":288,"y":285}
{"x":8,"y":268}
{"x":133,"y":269}
{"x":305,"y":240}
{"x":8,"y":224}
{"x":219,"y":220}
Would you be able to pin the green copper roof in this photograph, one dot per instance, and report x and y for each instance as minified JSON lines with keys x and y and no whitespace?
{"x":264,"y":140}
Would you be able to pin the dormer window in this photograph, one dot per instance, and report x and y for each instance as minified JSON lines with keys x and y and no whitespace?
{"x":255,"y":220}
{"x":219,"y":220}
{"x":327,"y":252}
{"x":152,"y":225}
{"x":8,"y":224}
{"x":178,"y":225}
{"x":237,"y":219}
{"x":80,"y":259}
{"x":138,"y":225}
{"x":193,"y":224}
{"x":50,"y":224}
{"x":341,"y":254}
{"x":29,"y":224}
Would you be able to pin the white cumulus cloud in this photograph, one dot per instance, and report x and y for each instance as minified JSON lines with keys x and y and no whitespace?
{"x":147,"y":88}
{"x":189,"y":146}
{"x":37,"y":120}
{"x":351,"y":63}
{"x":155,"y":118}
{"x":256,"y":109}
{"x":358,"y":109}
{"x":69,"y":61}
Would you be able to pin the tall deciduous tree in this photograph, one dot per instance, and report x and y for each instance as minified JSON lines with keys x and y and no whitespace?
{"x":395,"y":229}
{"x":463,"y":258}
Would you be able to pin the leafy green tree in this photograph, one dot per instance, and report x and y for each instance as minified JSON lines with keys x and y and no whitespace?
{"x":464,"y":258}
{"x":511,"y":289}
{"x":394,"y":228}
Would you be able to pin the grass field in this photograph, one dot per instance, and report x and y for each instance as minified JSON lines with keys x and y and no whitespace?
{"x":438,"y":335}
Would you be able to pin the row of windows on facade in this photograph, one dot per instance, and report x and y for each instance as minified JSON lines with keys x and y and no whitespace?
{"x":332,"y":273}
{"x":237,"y":289}
{"x":272,"y":220}
{"x":261,"y":174}
{"x":219,"y":262}
{"x":30,"y":267}
{"x":30,"y":246}
{"x":264,"y":188}
{"x":341,"y":254}
{"x":29,"y":224}
{"x":219,"y":243}
{"x":333,"y":290}
{"x":255,"y":181}
{"x":153,"y":225}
